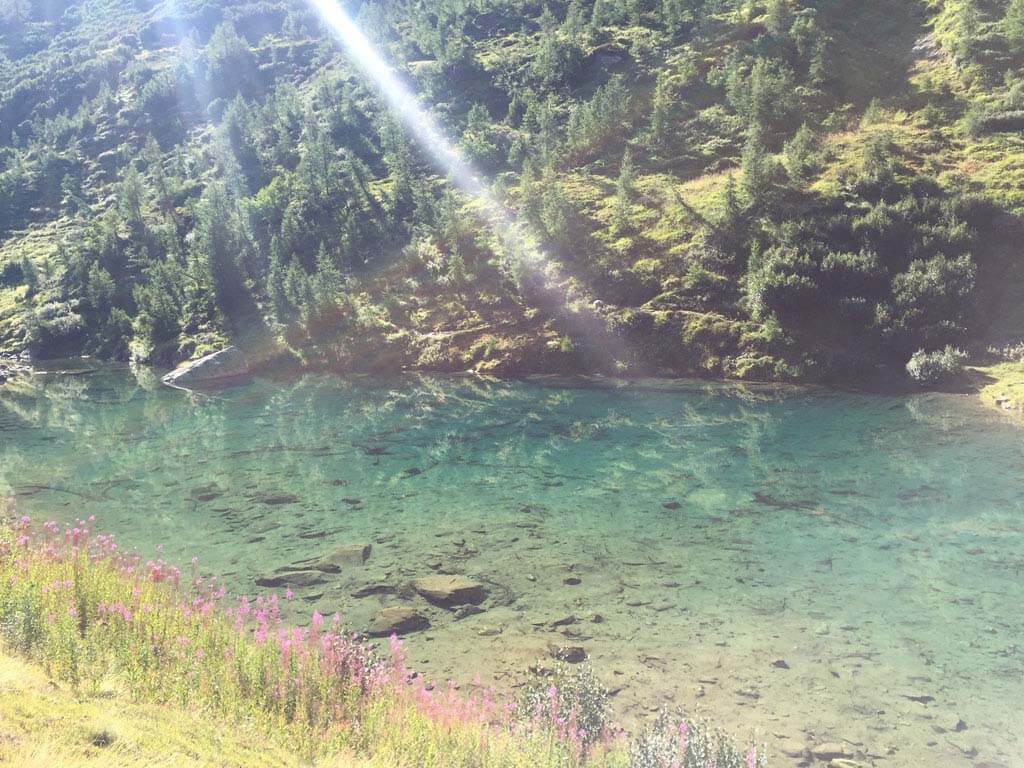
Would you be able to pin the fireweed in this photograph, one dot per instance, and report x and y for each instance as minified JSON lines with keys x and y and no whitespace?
{"x":92,"y":616}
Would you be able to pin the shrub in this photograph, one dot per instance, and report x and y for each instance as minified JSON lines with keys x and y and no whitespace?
{"x":934,"y":367}
{"x":572,"y":700}
{"x":675,"y":742}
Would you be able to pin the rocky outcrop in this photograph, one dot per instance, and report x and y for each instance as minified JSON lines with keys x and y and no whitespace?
{"x":217,"y":369}
{"x":397,"y":620}
{"x":450,"y":591}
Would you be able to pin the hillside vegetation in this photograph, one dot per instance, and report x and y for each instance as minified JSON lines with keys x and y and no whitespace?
{"x":785,"y":189}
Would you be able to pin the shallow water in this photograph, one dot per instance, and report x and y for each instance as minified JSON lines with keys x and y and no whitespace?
{"x":875,"y":545}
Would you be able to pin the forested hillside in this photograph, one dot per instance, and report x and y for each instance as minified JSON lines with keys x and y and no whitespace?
{"x":783,"y":189}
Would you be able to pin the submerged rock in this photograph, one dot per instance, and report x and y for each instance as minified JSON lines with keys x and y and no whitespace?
{"x":277,"y":499}
{"x":219,"y":368}
{"x":369,"y":590}
{"x":305,"y":578}
{"x":397,"y":620}
{"x":570,"y":654}
{"x":448,"y":591}
{"x":206,"y":493}
{"x":832,"y":751}
{"x":345,"y":555}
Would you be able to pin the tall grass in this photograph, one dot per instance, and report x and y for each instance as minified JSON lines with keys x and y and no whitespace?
{"x":92,"y":616}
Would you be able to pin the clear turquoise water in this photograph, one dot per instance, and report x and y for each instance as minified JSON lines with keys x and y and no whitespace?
{"x":875,"y":544}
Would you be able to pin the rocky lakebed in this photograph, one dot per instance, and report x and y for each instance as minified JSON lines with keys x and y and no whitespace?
{"x":835,"y":575}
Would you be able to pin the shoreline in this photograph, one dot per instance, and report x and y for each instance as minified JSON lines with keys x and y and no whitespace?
{"x":999,"y":387}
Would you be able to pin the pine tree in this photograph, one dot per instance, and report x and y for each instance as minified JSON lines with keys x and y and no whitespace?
{"x":799,"y":154}
{"x":276,"y":271}
{"x":777,"y":18}
{"x":662,"y":109}
{"x":755,"y":166}
{"x":1013,"y":25}
{"x":620,"y":222}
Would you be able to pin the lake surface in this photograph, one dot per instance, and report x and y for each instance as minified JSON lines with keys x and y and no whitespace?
{"x":802,"y":566}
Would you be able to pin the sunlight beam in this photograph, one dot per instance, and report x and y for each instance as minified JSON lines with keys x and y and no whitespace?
{"x":519,"y":245}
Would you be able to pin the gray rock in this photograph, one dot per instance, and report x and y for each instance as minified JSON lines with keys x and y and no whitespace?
{"x":968,"y":749}
{"x":347,"y":555}
{"x":379,"y":588}
{"x":221,"y":367}
{"x":291,"y":579}
{"x":397,"y":620}
{"x":832,"y":751}
{"x":448,"y":591}
{"x":276,"y":499}
{"x":792,"y":748}
{"x":571,"y":654}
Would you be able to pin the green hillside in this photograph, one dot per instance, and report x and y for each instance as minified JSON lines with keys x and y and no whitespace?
{"x":805,"y":189}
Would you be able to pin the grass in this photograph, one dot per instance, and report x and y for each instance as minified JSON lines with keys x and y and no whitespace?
{"x":134,"y":663}
{"x":45,"y":724}
{"x":1003,"y":387}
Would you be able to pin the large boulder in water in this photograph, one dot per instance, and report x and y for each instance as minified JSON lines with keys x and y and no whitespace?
{"x":219,"y":368}
{"x":397,"y":620}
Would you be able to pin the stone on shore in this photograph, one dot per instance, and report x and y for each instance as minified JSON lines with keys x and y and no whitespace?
{"x":397,"y":620}
{"x":449,"y":591}
{"x":217,"y":368}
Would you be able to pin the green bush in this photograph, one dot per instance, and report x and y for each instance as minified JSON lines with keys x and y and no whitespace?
{"x":936,"y":367}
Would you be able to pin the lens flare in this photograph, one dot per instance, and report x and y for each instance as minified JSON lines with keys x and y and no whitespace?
{"x":518,"y":244}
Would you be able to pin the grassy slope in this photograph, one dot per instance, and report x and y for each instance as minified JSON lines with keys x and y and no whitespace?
{"x":44,"y":724}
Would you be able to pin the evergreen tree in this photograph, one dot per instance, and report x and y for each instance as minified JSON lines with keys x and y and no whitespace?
{"x":1013,"y":25}
{"x":620,"y":222}
{"x":777,"y":19}
{"x":755,"y":167}
{"x":662,"y":110}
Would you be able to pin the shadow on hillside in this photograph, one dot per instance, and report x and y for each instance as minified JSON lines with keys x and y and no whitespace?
{"x":873,"y":45}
